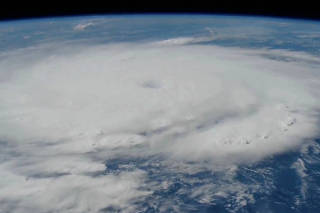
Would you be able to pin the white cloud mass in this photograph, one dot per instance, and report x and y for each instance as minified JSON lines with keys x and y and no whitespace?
{"x":64,"y":114}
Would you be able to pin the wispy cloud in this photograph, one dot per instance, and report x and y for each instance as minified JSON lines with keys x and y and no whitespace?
{"x":83,"y":26}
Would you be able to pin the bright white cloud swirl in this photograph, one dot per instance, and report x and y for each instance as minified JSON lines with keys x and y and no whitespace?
{"x":64,"y":115}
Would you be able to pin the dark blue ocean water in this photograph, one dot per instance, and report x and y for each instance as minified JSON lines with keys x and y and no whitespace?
{"x":288,"y":182}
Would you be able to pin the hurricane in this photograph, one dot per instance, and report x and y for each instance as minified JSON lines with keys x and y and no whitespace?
{"x":166,"y":114}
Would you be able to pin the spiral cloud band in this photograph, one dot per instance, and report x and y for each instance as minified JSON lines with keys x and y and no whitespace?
{"x":66,"y":111}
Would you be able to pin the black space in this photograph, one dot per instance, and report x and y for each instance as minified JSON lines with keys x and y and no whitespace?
{"x":11,"y":10}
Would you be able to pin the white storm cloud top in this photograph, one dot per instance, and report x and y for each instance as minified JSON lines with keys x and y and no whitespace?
{"x":60,"y":115}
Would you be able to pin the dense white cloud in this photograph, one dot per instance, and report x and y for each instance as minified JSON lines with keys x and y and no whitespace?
{"x":184,"y":40}
{"x":64,"y":115}
{"x":69,"y":193}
